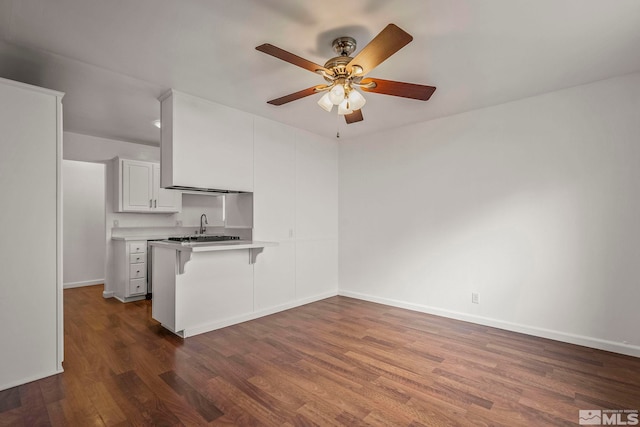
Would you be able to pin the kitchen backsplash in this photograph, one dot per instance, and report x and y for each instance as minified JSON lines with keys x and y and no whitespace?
{"x":159,"y":232}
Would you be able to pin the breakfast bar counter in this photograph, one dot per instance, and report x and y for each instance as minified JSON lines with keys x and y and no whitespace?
{"x":203,"y":286}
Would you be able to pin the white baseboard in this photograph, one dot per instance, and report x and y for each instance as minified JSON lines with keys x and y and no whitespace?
{"x":30,"y":379}
{"x":615,"y":347}
{"x":83,"y":283}
{"x":108,"y":294}
{"x":309,"y":300}
{"x":125,"y":299}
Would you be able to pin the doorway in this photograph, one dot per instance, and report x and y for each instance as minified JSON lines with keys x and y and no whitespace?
{"x":83,"y":212}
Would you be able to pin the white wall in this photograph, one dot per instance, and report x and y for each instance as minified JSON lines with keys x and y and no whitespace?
{"x":83,"y":223}
{"x":94,"y":149}
{"x":533,"y":204}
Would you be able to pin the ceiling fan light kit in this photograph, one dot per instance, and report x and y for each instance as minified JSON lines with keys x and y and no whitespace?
{"x":344,"y":74}
{"x":343,"y":108}
{"x":356,"y":100}
{"x":325,"y":103}
{"x":336,"y":94}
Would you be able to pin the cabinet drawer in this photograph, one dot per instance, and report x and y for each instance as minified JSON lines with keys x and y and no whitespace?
{"x":138,"y":247}
{"x":137,"y":271}
{"x":137,"y":286}
{"x":137,"y":258}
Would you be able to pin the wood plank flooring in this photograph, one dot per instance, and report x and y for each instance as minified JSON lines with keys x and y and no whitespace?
{"x":336,"y":362}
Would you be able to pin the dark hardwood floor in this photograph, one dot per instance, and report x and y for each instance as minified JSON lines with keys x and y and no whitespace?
{"x":339,"y":361}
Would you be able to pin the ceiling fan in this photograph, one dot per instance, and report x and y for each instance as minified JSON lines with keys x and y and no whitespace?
{"x":345,"y":74}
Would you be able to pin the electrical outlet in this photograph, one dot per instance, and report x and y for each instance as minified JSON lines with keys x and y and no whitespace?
{"x":474,"y":298}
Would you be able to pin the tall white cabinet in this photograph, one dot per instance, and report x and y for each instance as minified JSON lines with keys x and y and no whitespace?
{"x":31,"y":225}
{"x":295,"y":204}
{"x":274,"y":213}
{"x":316,"y":215}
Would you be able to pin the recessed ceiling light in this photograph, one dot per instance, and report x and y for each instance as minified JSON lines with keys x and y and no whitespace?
{"x":157,"y":123}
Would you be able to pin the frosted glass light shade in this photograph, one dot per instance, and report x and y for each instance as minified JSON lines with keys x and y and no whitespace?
{"x":344,"y":108}
{"x":325,"y":102}
{"x":356,"y":100}
{"x":336,"y":94}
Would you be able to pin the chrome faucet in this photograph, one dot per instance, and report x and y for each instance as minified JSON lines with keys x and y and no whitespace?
{"x":202,"y":228}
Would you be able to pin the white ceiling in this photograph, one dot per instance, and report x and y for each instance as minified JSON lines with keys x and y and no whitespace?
{"x":115,"y":58}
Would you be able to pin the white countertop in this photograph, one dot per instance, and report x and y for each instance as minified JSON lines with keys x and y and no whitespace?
{"x":142,"y":237}
{"x":226,"y":245}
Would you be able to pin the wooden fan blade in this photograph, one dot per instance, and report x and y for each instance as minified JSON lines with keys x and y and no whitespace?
{"x":389,"y":41}
{"x":356,"y":116}
{"x":297,"y":95}
{"x":291,"y":58}
{"x":405,"y":90}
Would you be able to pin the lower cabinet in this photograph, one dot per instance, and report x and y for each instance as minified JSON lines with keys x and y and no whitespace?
{"x":274,"y":277}
{"x":131,"y":269}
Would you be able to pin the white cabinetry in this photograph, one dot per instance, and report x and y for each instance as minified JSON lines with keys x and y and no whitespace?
{"x":275,"y":181}
{"x":135,"y":185}
{"x":163,"y":199}
{"x":138,"y":188}
{"x":31,"y":218}
{"x":316,"y":210}
{"x":274,"y":213}
{"x":131,"y":270}
{"x":316,"y":187}
{"x":275,"y":277}
{"x":295,"y":204}
{"x":205,"y":145}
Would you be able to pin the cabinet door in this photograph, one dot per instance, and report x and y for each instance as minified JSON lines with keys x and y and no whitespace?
{"x":137,"y":185}
{"x":275,"y":181}
{"x":316,"y":198}
{"x":164,"y":200}
{"x":274,"y":277}
{"x":30,"y":295}
{"x":205,"y":145}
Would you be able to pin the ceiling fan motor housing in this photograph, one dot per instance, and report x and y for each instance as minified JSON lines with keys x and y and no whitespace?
{"x":338,"y":67}
{"x":344,"y":46}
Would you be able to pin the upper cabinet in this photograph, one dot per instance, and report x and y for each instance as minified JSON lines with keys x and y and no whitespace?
{"x":205,"y":145}
{"x":163,"y":199}
{"x":138,"y":189}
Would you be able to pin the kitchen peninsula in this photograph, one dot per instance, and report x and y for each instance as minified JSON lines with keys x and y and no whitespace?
{"x":203,"y":286}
